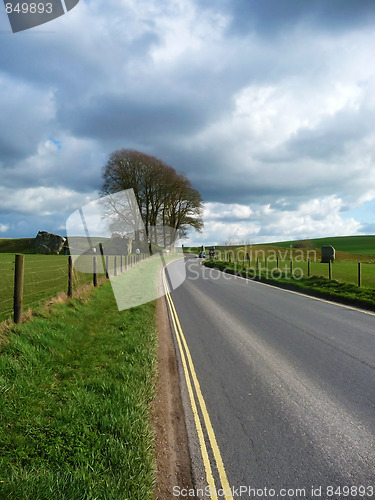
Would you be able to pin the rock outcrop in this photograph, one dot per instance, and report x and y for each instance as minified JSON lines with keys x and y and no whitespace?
{"x":48,"y":243}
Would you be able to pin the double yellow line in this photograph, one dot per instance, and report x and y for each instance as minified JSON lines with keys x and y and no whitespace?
{"x":193,"y":385}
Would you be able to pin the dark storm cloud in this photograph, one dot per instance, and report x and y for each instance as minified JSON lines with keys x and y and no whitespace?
{"x":245,"y":192}
{"x":269,"y":18}
{"x":77,"y":167}
{"x":111,"y":117}
{"x":10,"y":152}
{"x":332,"y":137}
{"x":242,"y":96}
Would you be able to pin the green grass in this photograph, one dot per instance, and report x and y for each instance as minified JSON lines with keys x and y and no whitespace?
{"x":17,"y":245}
{"x":351,"y":244}
{"x":76,"y":387}
{"x":142,"y":282}
{"x":345,"y":271}
{"x":318,"y":285}
{"x":44,"y":277}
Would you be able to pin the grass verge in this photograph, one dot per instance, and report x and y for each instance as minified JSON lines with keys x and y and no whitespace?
{"x":318,"y":286}
{"x":76,"y":387}
{"x":44,"y":276}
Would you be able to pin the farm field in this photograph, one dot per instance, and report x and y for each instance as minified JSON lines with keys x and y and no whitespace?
{"x":17,"y":245}
{"x":364,"y":245}
{"x":45,"y":276}
{"x":349,"y":251}
{"x":344,"y":271}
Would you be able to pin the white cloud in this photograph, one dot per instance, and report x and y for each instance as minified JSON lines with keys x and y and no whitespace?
{"x":42,"y":200}
{"x":312,"y":218}
{"x":317,"y":217}
{"x":184,"y":29}
{"x":275,"y":129}
{"x":213,"y":211}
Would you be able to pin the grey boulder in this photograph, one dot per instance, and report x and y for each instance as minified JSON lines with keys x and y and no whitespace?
{"x":48,"y":243}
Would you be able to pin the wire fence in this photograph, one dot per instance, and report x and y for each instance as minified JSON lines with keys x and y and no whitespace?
{"x":46,"y":276}
{"x":358,"y":273}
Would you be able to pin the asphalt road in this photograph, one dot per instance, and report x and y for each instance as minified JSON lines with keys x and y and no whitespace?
{"x":289,"y":384}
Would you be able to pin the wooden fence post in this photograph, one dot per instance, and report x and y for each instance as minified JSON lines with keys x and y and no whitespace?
{"x":18,"y":288}
{"x":308,"y":268}
{"x":115,"y":266}
{"x":94,"y":273}
{"x":359,"y":274}
{"x":70,"y":276}
{"x":330,"y":269}
{"x":121,"y":264}
{"x":107,"y":266}
{"x":104,"y":261}
{"x":291,"y":266}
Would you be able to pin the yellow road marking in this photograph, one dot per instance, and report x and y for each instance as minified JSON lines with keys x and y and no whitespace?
{"x":206,"y":460}
{"x":207,"y":421}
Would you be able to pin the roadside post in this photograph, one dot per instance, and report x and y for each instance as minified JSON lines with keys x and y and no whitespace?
{"x":18,"y":287}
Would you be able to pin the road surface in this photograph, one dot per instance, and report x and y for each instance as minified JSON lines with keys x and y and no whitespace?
{"x":288,"y":385}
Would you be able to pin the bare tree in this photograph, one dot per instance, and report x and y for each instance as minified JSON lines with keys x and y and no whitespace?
{"x":184,"y":207}
{"x":164,"y":197}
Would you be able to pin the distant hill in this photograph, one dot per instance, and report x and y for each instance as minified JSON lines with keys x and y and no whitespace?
{"x":17,"y":245}
{"x":364,"y":245}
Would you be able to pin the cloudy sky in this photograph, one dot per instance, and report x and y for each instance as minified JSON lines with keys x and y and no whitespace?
{"x":267,"y":106}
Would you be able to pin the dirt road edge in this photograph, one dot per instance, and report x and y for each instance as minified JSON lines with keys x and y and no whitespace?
{"x":171,"y":443}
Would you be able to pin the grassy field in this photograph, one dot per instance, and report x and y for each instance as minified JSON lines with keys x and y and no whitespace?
{"x":320,"y":286}
{"x":349,"y":251}
{"x":44,"y":276}
{"x":364,"y":245}
{"x":17,"y":245}
{"x":343,"y":271}
{"x":347,"y":247}
{"x":76,"y":385}
{"x":265,"y":261}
